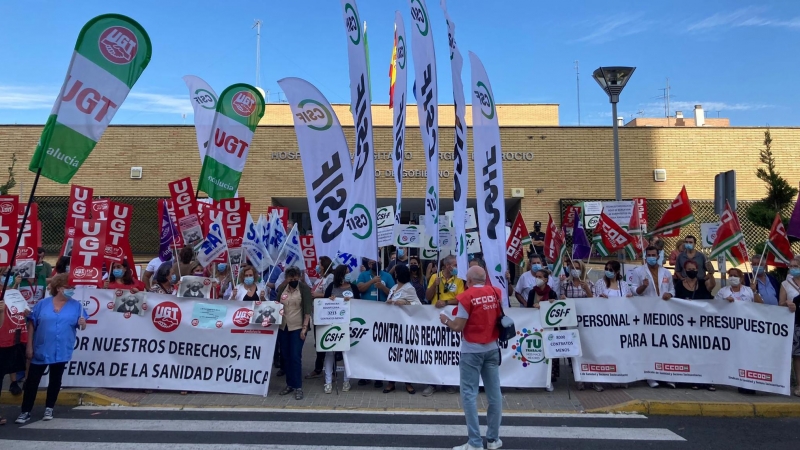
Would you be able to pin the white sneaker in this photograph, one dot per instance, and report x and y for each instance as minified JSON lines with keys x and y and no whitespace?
{"x":328,"y":388}
{"x":467,"y":447}
{"x":494,"y":445}
{"x":550,"y":388}
{"x":48,"y":414}
{"x":346,"y":386}
{"x":652,"y":383}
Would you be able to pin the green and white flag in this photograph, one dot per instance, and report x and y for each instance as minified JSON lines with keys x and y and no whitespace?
{"x":361,"y":237}
{"x":111,"y":53}
{"x":239,"y":109}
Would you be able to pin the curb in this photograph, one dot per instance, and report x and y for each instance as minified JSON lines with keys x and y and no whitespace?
{"x":706,"y":409}
{"x":69,"y":397}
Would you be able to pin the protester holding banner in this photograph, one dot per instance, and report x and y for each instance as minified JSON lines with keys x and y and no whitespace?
{"x":222,"y":280}
{"x":541,"y":291}
{"x":403,"y":293}
{"x":690,"y":287}
{"x":324,"y":270}
{"x":247,"y":289}
{"x":479,"y":308}
{"x":121,"y":277}
{"x":373,"y":283}
{"x":527,"y":280}
{"x":338,"y":288}
{"x":576,"y":285}
{"x":612,"y":284}
{"x":790,"y":297}
{"x":765,"y":284}
{"x":651,"y":279}
{"x":52,"y":330}
{"x":417,"y":280}
{"x":736,"y":290}
{"x":297,"y":309}
{"x":442,"y":294}
{"x":164,"y":279}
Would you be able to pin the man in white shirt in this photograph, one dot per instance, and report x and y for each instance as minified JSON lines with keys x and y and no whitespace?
{"x":527,"y":281}
{"x":652,"y":280}
{"x":150,"y":270}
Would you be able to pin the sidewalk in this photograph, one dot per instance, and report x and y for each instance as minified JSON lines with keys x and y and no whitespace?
{"x":638,"y":398}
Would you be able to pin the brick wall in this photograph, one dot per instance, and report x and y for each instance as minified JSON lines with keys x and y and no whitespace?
{"x":568,"y":162}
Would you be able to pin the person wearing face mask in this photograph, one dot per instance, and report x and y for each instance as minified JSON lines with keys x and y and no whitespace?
{"x":298,"y":305}
{"x":537,"y":240}
{"x":52,"y":329}
{"x":612,"y":284}
{"x":221,"y":281}
{"x":652,"y":280}
{"x":576,"y":285}
{"x":690,"y":288}
{"x":444,"y":286}
{"x":736,"y":290}
{"x":690,"y":253}
{"x":539,"y":293}
{"x":527,"y":280}
{"x":164,"y":280}
{"x":324,"y":271}
{"x":765,"y":284}
{"x":374,"y":283}
{"x":247,"y":290}
{"x":401,"y":259}
{"x":790,"y":298}
{"x":121,"y":277}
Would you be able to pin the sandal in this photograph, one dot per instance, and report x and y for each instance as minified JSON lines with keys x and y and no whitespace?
{"x":410,"y":389}
{"x":389,"y":388}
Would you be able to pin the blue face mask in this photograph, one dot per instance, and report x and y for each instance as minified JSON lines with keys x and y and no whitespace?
{"x":688,"y":246}
{"x":454,"y":271}
{"x":174,"y":278}
{"x":69,"y":292}
{"x":249,"y":280}
{"x":652,"y":260}
{"x":550,"y":267}
{"x":758,"y":270}
{"x":9,"y":280}
{"x":117,"y":273}
{"x":610,"y":275}
{"x":318,"y":269}
{"x":400,"y":253}
{"x":536,"y":267}
{"x":222,"y":266}
{"x":794,"y":272}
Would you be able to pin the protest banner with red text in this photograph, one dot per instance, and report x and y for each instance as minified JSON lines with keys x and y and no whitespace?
{"x":86,"y":266}
{"x":516,"y":243}
{"x":282,"y":212}
{"x":30,"y":238}
{"x":100,"y":209}
{"x":9,"y":205}
{"x":678,"y":214}
{"x":234,"y":216}
{"x":118,"y":232}
{"x":79,"y":207}
{"x":609,"y":236}
{"x":309,"y":255}
{"x":185,"y":205}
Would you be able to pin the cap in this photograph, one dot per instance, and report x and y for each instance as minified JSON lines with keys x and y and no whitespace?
{"x":537,"y":224}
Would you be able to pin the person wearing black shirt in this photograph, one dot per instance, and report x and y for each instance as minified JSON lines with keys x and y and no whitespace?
{"x":692,"y":288}
{"x":537,"y":240}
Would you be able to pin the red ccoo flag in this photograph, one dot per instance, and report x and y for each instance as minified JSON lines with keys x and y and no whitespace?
{"x":780,"y":251}
{"x":679,"y":214}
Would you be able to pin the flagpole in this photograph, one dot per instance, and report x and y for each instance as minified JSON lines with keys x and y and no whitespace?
{"x":588,"y":260}
{"x":22,"y":228}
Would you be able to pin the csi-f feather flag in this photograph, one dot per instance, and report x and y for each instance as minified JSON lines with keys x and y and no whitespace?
{"x":489,"y":187}
{"x":460,"y":160}
{"x":360,"y":237}
{"x":730,"y":240}
{"x":214,"y":245}
{"x":111,"y":53}
{"x":291,"y":253}
{"x":204,"y":105}
{"x":253,"y":244}
{"x":274,"y":236}
{"x":399,"y":91}
{"x":428,"y":110}
{"x":239,"y":109}
{"x":326,"y":163}
{"x":778,"y":244}
{"x":678,"y":215}
{"x":609,"y":236}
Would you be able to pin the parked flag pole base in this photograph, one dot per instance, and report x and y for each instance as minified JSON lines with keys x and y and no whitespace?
{"x":21,"y":229}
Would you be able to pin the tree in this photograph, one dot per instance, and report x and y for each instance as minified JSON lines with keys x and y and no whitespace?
{"x":779,"y":192}
{"x":11,"y":182}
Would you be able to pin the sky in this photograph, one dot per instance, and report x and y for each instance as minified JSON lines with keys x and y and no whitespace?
{"x":711,"y":52}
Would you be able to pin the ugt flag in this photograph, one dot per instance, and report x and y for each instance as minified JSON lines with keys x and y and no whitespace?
{"x":111,"y":53}
{"x":239,"y":109}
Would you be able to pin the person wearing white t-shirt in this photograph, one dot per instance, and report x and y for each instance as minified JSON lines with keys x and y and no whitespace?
{"x":736,"y":291}
{"x":527,"y":280}
{"x":612,"y":284}
{"x":652,"y":280}
{"x":150,"y":270}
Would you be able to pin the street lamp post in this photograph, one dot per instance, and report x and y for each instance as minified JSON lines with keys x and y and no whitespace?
{"x":612,"y":80}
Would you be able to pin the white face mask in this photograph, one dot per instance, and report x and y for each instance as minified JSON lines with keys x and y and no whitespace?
{"x":539,"y":282}
{"x":734,"y":281}
{"x":575,"y":273}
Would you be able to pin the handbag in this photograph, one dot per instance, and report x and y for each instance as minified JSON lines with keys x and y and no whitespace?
{"x":505,"y":325}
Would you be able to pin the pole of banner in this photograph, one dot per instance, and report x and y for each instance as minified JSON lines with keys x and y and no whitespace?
{"x":752,"y":274}
{"x":588,"y":261}
{"x":21,"y":229}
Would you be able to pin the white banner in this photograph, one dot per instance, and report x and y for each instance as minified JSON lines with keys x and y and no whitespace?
{"x":399,"y":109}
{"x":214,"y":244}
{"x":385,"y":217}
{"x":461,"y":162}
{"x":409,"y":236}
{"x":490,"y":191}
{"x":204,"y":105}
{"x":169,"y":348}
{"x":410,"y":344}
{"x":360,"y":235}
{"x":386,"y":235}
{"x":253,"y":243}
{"x":326,"y":162}
{"x":427,"y":95}
{"x":696,"y":342}
{"x":473,"y":242}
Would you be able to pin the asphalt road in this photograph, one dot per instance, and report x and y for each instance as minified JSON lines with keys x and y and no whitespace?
{"x":89,"y":428}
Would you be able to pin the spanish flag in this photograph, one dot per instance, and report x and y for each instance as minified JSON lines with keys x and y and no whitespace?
{"x":392,"y":73}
